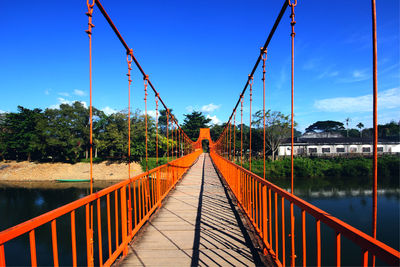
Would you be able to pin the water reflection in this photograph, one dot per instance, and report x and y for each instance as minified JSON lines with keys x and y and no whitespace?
{"x":349,"y":202}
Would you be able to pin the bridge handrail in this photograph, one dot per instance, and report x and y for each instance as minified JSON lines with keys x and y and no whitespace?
{"x":366,"y":242}
{"x":176,"y":170}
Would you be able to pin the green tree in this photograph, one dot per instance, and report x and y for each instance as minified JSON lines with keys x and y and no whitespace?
{"x":277,"y":128}
{"x":325,"y":126}
{"x":21,"y":134}
{"x":162,"y":120}
{"x":193,"y":122}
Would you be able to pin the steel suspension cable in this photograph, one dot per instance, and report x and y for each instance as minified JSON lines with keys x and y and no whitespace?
{"x":156,"y":98}
{"x":292,"y":23}
{"x":264,"y":58}
{"x":167,"y":113}
{"x":230,"y":145}
{"x":251,"y":99}
{"x":270,"y":35}
{"x":375,"y":122}
{"x":129,"y":61}
{"x":89,"y":240}
{"x":234,"y":136}
{"x":241,"y":131}
{"x":146,"y":78}
{"x":128,"y":50}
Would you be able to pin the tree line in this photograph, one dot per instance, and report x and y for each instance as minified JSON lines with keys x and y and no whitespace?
{"x":62,"y":134}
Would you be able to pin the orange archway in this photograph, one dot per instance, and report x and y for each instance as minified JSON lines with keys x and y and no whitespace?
{"x":204,"y":135}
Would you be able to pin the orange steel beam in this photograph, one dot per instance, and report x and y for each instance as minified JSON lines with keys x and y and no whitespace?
{"x":178,"y":166}
{"x":366,"y":242}
{"x":129,"y":52}
{"x":270,"y":35}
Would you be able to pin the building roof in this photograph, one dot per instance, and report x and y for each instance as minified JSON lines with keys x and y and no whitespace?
{"x":339,"y":141}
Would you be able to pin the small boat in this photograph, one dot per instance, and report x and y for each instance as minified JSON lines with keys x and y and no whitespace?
{"x":72,"y":180}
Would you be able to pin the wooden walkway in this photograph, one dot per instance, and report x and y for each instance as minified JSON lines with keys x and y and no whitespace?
{"x":198,"y":225}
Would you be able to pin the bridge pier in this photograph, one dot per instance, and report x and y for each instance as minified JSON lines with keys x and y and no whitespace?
{"x":198,"y":225}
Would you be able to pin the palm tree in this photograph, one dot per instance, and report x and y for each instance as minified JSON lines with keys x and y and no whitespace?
{"x":360,"y":125}
{"x":347,"y":120}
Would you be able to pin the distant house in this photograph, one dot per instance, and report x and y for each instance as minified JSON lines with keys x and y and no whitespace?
{"x":333,"y":144}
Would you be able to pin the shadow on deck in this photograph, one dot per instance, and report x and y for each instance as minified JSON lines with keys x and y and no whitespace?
{"x":198,"y":225}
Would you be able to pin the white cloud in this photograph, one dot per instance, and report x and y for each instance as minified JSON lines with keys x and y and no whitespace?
{"x":210,"y":108}
{"x":66,"y":101}
{"x":63,"y":94}
{"x":2,"y":111}
{"x":47,"y":91}
{"x":214,"y":119}
{"x":108,"y":111}
{"x":151,"y":113}
{"x":79,"y":92}
{"x":387,"y":99}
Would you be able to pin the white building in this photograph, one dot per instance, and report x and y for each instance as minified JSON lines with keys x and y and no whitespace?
{"x":336,"y":146}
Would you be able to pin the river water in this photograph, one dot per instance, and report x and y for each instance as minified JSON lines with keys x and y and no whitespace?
{"x":22,"y":201}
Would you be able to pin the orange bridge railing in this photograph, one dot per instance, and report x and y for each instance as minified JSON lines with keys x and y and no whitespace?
{"x":264,"y":204}
{"x":127,"y":205}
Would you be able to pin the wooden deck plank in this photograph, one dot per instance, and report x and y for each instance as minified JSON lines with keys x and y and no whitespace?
{"x":196,"y":226}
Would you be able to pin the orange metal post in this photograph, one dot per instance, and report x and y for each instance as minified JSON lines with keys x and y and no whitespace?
{"x":270,"y":217}
{"x":54,"y":242}
{"x":241,"y":131}
{"x":116,"y":219}
{"x":303,"y":226}
{"x":251,"y":99}
{"x":73,"y":239}
{"x":318,"y":230}
{"x":375,"y":122}
{"x":33,"y":247}
{"x":109,"y":225}
{"x":283,"y":232}
{"x":264,"y":213}
{"x":338,"y":250}
{"x":99,"y":233}
{"x":124,"y":224}
{"x":276,"y":225}
{"x":365,"y":258}
{"x":2,"y":256}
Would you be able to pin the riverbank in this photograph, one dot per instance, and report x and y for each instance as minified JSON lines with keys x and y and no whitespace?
{"x":332,"y":168}
{"x":32,"y":171}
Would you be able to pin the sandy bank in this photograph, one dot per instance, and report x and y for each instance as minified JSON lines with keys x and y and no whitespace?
{"x":31,"y":171}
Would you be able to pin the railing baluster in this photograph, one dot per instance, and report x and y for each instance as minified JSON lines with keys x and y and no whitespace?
{"x":88,"y":235}
{"x":259,"y":209}
{"x":116,"y":220}
{"x":109,"y":226}
{"x":318,"y":230}
{"x":54,"y":242}
{"x":32,"y":247}
{"x":264,"y":214}
{"x":124,"y":222}
{"x":283,"y":232}
{"x":73,"y":239}
{"x":338,"y":249}
{"x":2,"y":256}
{"x":276,"y":226}
{"x":365,"y":258}
{"x":135,"y":204}
{"x":99,"y":233}
{"x":303,"y":226}
{"x":270,"y":217}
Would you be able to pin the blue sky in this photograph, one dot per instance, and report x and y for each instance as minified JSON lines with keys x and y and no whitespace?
{"x":198,"y":56}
